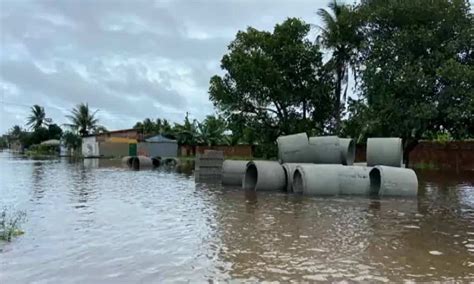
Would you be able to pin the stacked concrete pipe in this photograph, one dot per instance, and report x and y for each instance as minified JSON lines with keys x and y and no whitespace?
{"x":384,"y":152}
{"x":393,"y":181}
{"x":354,"y":180}
{"x":264,"y":175}
{"x":347,"y":150}
{"x":127,"y":161}
{"x":290,"y":169}
{"x":311,"y":179}
{"x":233,"y":172}
{"x":293,"y":148}
{"x":324,"y":150}
{"x":141,"y":163}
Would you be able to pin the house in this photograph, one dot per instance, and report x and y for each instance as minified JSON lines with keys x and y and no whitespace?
{"x":117,"y":143}
{"x":158,"y":146}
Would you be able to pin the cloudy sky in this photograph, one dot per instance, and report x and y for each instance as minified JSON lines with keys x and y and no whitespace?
{"x":129,"y":59}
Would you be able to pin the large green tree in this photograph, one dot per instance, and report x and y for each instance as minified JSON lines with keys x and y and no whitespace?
{"x":37,"y":118}
{"x":274,"y":81}
{"x":186,"y":133}
{"x":340,"y":34}
{"x":418,"y":70}
{"x":83,"y":119}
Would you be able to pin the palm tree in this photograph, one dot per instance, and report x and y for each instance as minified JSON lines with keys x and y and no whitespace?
{"x":211,"y":130}
{"x":37,"y":117}
{"x":82,"y":119}
{"x":339,"y":33}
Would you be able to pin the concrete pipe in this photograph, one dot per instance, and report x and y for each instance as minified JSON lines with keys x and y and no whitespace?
{"x":127,"y":161}
{"x":233,"y":172}
{"x":392,"y":181}
{"x":354,"y":180}
{"x":264,"y":175}
{"x":141,"y":163}
{"x":293,"y":148}
{"x":384,"y":152}
{"x":313,"y":179}
{"x":156,"y":161}
{"x":290,"y":172}
{"x":347,"y":148}
{"x":324,"y":150}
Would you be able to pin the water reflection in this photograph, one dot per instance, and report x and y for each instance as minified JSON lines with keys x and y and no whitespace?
{"x":98,"y":222}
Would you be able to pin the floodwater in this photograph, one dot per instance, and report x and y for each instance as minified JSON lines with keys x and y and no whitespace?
{"x":92,"y":221}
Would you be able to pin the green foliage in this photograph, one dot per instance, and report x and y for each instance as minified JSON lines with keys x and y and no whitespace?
{"x":83,"y":119}
{"x":54,"y":132}
{"x":37,"y":118}
{"x":186,"y":133}
{"x":10,"y":224}
{"x":211,"y":131}
{"x":275,"y":83}
{"x":417,"y":76}
{"x":3,"y":141}
{"x":42,"y":150}
{"x":160,"y":126}
{"x":72,"y":140}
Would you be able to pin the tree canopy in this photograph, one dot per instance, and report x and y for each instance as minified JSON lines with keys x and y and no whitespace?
{"x":274,"y":80}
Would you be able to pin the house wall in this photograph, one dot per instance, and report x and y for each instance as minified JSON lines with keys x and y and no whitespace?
{"x":158,"y":149}
{"x":90,"y":147}
{"x":110,"y":149}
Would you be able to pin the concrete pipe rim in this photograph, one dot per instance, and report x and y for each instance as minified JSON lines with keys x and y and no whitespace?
{"x":298,"y":181}
{"x":251,"y":177}
{"x":289,"y":187}
{"x":350,"y":153}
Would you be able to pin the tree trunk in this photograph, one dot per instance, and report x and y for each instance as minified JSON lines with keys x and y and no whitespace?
{"x":304,"y":109}
{"x":337,"y":103}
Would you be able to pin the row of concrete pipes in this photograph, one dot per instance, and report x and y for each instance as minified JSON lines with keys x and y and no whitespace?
{"x":324,"y":166}
{"x":144,"y":162}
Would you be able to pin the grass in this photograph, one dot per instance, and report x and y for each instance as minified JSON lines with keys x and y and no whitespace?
{"x":10,"y":224}
{"x":425,"y":166}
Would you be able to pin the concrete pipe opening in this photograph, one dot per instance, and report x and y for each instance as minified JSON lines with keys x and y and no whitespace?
{"x":156,"y":161}
{"x":127,"y":161}
{"x":384,"y":152}
{"x":264,"y":175}
{"x":393,"y":181}
{"x":298,"y":183}
{"x":251,"y":177}
{"x":347,"y":147}
{"x":141,"y":162}
{"x":375,"y":181}
{"x":233,"y":172}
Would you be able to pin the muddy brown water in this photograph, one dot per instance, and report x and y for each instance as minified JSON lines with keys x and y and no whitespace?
{"x":93,"y":221}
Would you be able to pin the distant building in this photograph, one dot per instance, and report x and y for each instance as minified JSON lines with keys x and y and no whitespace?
{"x":127,"y":142}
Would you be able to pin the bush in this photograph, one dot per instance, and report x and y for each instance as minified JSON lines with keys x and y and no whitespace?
{"x":9,"y":224}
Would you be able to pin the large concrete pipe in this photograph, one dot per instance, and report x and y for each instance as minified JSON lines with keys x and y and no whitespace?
{"x":313,"y":179}
{"x":233,"y":172}
{"x":354,"y":180}
{"x":293,"y":148}
{"x":264,"y":175}
{"x":384,"y":152}
{"x":393,"y":181}
{"x":347,"y":148}
{"x":324,"y":150}
{"x":127,"y":161}
{"x":141,"y":162}
{"x":290,"y":172}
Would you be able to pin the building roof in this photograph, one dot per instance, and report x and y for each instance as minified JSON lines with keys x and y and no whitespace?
{"x":112,"y":132}
{"x":160,"y":138}
{"x":53,"y":142}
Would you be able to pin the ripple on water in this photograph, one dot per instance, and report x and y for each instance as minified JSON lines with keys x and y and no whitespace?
{"x":98,"y":222}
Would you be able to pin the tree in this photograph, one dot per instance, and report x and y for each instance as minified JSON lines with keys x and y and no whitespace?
{"x":54,"y":132}
{"x":72,"y":140}
{"x":339,"y":33}
{"x":37,"y":117}
{"x":186,"y":134}
{"x":82,"y":119}
{"x":274,"y":81}
{"x":211,"y":130}
{"x":418,"y":76}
